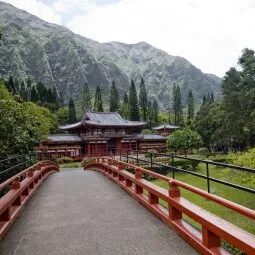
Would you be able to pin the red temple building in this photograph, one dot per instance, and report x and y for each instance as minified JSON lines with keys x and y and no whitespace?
{"x":101,"y":133}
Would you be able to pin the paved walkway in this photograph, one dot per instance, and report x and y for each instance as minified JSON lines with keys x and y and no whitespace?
{"x":83,"y":212}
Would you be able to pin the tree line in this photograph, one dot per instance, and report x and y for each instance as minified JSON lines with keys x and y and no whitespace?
{"x":134,"y":106}
{"x":37,"y":93}
{"x":230,"y":123}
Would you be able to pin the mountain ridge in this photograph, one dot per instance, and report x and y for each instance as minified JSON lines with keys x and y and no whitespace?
{"x":57,"y":56}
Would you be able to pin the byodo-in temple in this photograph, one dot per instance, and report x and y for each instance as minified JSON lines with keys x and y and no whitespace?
{"x":103,"y":133}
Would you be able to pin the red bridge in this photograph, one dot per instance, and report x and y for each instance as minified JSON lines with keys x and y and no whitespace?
{"x":82,"y":212}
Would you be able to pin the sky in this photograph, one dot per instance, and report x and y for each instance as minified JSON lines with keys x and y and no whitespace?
{"x":210,"y":34}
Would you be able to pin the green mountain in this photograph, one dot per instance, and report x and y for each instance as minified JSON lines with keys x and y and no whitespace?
{"x":56,"y":56}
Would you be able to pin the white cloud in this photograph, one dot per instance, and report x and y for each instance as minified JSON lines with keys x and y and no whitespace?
{"x":37,"y":8}
{"x":210,"y":34}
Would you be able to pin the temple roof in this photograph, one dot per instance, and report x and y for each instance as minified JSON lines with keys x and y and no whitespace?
{"x":104,"y":119}
{"x":63,"y":138}
{"x":166,"y":126}
{"x":151,"y":137}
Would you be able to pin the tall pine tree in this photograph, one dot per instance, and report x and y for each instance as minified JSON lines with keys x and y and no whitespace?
{"x":98,"y":104}
{"x":177,"y":104}
{"x":150,"y":114}
{"x":114,"y":98}
{"x":191,"y":108}
{"x":125,"y":107}
{"x":71,"y":111}
{"x":33,"y":96}
{"x":133,"y":103}
{"x":155,"y":112}
{"x":143,"y":100}
{"x":10,"y":85}
{"x":23,"y":92}
{"x":86,"y":99}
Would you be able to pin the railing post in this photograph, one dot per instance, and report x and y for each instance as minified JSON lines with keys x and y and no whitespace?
{"x":209,"y":239}
{"x":138,"y":176}
{"x":127,"y":156}
{"x":174,"y":191}
{"x":207,"y":178}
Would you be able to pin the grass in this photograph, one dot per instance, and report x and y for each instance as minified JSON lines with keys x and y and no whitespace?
{"x":71,"y":165}
{"x":240,"y":197}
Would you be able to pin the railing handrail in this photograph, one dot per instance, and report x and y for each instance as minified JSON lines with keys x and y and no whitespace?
{"x":13,"y":178}
{"x":219,"y":200}
{"x":247,"y":169}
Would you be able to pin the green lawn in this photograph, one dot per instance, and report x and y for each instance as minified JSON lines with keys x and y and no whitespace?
{"x":237,"y":196}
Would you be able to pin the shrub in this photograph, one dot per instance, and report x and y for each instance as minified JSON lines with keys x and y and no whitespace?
{"x":85,"y":161}
{"x":220,"y":159}
{"x":185,"y":164}
{"x":151,"y":153}
{"x":203,"y":151}
{"x":64,"y":160}
{"x":146,"y":131}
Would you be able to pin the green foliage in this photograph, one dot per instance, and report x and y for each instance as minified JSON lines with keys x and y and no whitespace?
{"x":151,"y":153}
{"x":62,"y":116}
{"x":143,"y":100}
{"x":191,"y":108}
{"x":114,"y":98}
{"x":125,"y":107}
{"x":133,"y":103}
{"x":71,"y":111}
{"x":246,"y":159}
{"x":98,"y":103}
{"x":203,"y":150}
{"x":155,"y":118}
{"x":184,"y":139}
{"x":177,"y":104}
{"x":231,"y":123}
{"x":146,"y":131}
{"x":86,"y":99}
{"x":64,"y":160}
{"x":184,"y":164}
{"x":22,"y":125}
{"x":150,"y":114}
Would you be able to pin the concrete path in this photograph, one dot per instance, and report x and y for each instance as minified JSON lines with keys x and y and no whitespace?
{"x":83,"y":212}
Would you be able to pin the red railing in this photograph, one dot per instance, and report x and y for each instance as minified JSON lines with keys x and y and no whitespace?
{"x":19,"y":189}
{"x":214,"y":228}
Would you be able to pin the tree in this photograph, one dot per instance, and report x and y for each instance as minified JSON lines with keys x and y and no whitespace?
{"x":62,"y":116}
{"x":33,"y":95}
{"x":150,"y":114}
{"x":143,"y":100}
{"x":125,"y":107}
{"x":23,"y":92}
{"x":114,"y":98}
{"x":184,"y":139}
{"x":22,"y":125}
{"x":191,"y":108}
{"x":133,"y":103}
{"x":71,"y":111}
{"x":86,"y":99}
{"x":10,"y":85}
{"x":98,"y":104}
{"x":177,"y":104}
{"x":155,"y":112}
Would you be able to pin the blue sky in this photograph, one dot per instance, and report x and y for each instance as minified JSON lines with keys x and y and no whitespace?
{"x":210,"y":34}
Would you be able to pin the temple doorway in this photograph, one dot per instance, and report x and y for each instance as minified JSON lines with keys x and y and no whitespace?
{"x":112,"y":145}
